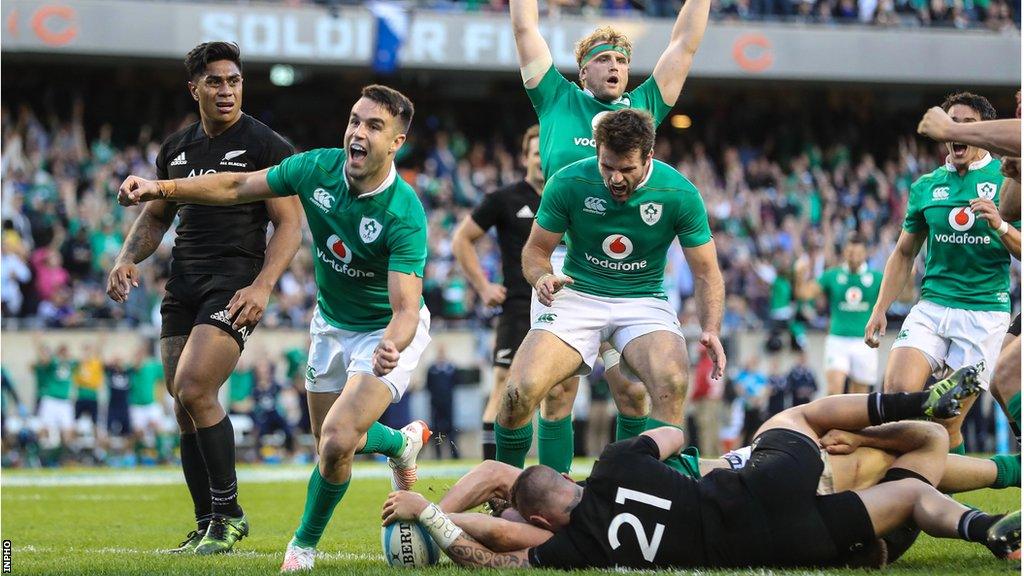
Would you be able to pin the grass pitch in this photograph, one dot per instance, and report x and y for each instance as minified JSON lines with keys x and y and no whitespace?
{"x":115,"y":522}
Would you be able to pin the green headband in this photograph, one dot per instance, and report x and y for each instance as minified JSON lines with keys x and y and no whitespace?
{"x":602,"y":48}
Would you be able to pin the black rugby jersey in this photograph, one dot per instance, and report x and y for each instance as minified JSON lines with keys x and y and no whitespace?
{"x":222,"y":240}
{"x":636,"y":512}
{"x":511,"y":211}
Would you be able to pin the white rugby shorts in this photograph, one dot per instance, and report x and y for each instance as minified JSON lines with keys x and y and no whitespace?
{"x":335,"y":355}
{"x":952,"y":338}
{"x":583,"y":321}
{"x":56,"y":414}
{"x":852,"y":357}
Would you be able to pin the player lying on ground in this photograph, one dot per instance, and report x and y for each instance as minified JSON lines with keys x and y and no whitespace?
{"x":633,"y":511}
{"x":370,"y":327}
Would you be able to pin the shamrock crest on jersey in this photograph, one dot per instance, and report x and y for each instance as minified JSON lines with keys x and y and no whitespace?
{"x":369,"y":229}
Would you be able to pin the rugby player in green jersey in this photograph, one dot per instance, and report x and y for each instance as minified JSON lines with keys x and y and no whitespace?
{"x":370,"y":327}
{"x":1001,"y":136}
{"x":568,"y":113}
{"x":965,"y":302}
{"x":851,"y":290}
{"x":620,"y":212}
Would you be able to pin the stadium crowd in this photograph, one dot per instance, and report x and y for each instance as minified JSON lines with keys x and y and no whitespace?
{"x":770,"y":204}
{"x":768,"y":207}
{"x":996,"y":15}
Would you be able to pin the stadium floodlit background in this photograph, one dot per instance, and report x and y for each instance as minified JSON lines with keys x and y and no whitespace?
{"x":797,"y":125}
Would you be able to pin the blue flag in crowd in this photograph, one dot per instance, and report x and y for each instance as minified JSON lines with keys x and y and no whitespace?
{"x":392,"y":29}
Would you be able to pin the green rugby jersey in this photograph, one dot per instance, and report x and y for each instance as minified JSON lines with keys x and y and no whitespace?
{"x":144,"y":383}
{"x":966,"y":265}
{"x":54,"y":378}
{"x":618,"y":249}
{"x":568,"y":114}
{"x":851,"y":297}
{"x":357,"y":240}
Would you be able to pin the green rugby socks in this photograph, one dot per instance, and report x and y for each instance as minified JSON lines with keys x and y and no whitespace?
{"x":513,"y":443}
{"x":381,"y":439}
{"x":321,"y":498}
{"x":629,"y":426}
{"x":555,"y":443}
{"x":1007,"y":470}
{"x":675,"y":461}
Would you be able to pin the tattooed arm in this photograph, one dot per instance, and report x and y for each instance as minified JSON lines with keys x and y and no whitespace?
{"x":143,"y":239}
{"x":466,"y":551}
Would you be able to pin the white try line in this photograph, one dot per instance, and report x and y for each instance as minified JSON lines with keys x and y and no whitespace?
{"x":172,"y":477}
{"x":349,"y":556}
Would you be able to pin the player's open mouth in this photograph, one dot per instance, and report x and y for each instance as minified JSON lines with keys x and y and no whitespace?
{"x":356,"y":152}
{"x":618,"y":191}
{"x":613,"y":80}
{"x":959,"y":150}
{"x":225,"y":107}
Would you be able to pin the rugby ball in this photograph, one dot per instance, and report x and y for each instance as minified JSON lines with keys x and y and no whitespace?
{"x":408,"y":545}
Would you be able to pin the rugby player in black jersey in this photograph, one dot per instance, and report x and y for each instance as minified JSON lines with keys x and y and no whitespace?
{"x":635,"y":512}
{"x":222,"y":272}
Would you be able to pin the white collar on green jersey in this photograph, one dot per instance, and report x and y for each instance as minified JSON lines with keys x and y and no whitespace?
{"x":620,"y":100}
{"x":862,"y":269}
{"x":974,"y":165}
{"x":650,"y":170}
{"x":392,"y":174}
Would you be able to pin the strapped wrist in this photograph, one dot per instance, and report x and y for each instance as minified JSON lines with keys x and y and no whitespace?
{"x":440,"y":526}
{"x":167,"y":188}
{"x":1003,"y":228}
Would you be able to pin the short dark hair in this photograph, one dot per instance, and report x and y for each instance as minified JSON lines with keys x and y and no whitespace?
{"x":200,"y":57}
{"x":531,"y":133}
{"x":979,"y":104}
{"x":626,"y":130}
{"x":531,"y":490}
{"x":396,"y":103}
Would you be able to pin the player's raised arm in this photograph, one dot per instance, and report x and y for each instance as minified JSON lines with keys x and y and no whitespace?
{"x":223,"y":189}
{"x":709,"y":287}
{"x":534,"y":54}
{"x":999,"y":136}
{"x":674,"y":64}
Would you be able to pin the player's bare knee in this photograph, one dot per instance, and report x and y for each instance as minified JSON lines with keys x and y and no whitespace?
{"x":337,"y":446}
{"x":517,"y":402}
{"x":668,"y":386}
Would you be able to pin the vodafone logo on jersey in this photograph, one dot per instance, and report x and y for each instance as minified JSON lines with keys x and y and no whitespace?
{"x":337,"y":247}
{"x":617,"y":246}
{"x":961,"y":219}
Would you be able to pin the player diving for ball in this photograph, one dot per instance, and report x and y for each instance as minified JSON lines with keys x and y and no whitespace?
{"x":635,"y":512}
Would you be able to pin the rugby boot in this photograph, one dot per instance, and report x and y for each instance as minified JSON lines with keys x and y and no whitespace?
{"x":944,"y":397}
{"x":403,"y":468}
{"x":188,"y":546}
{"x":1004,"y":537}
{"x":222,"y":534}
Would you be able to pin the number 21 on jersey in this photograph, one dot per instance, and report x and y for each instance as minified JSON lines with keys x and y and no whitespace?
{"x":648,"y":546}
